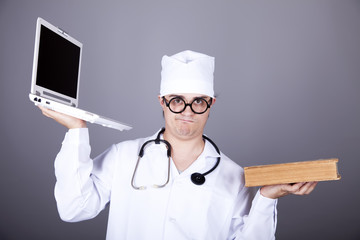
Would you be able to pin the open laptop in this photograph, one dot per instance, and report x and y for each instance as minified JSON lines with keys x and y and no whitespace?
{"x":56,"y":75}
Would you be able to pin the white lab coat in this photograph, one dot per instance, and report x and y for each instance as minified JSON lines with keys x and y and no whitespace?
{"x":218,"y":209}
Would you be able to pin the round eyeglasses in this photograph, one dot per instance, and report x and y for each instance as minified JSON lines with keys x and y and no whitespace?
{"x":178,"y":105}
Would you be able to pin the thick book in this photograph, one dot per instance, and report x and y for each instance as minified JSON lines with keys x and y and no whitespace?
{"x":306,"y":171}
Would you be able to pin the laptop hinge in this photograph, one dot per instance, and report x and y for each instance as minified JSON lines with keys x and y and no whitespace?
{"x":57,"y":97}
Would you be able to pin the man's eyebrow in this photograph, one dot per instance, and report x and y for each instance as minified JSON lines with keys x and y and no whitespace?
{"x":172,"y":96}
{"x":183,"y":97}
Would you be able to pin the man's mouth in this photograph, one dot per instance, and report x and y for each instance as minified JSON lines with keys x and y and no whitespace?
{"x":187,"y":120}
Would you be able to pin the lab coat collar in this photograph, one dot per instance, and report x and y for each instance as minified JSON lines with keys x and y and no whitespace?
{"x":205,"y":161}
{"x":210,"y":150}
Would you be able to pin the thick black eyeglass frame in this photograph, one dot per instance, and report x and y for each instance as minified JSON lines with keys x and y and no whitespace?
{"x":208,"y":104}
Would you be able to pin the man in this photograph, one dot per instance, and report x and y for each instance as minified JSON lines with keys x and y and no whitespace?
{"x":219,"y":208}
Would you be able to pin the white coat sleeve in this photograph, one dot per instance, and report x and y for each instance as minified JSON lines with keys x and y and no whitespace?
{"x":82,"y":186}
{"x":259,"y":223}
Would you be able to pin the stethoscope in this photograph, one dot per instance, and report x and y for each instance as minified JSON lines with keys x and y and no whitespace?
{"x":196,"y":178}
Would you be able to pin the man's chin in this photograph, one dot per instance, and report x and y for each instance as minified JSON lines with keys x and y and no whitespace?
{"x":185,"y":130}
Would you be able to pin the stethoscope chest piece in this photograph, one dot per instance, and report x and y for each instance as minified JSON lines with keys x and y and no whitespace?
{"x":197,"y":178}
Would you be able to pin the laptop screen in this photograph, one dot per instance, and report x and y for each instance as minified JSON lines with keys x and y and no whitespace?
{"x":58,"y":63}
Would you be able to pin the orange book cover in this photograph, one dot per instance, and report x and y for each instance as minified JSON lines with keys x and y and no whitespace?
{"x":306,"y":171}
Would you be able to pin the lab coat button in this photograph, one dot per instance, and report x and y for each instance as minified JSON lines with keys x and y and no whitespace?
{"x":173,"y":220}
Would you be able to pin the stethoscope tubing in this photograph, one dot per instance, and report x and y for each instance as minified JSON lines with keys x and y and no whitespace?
{"x":196,"y":178}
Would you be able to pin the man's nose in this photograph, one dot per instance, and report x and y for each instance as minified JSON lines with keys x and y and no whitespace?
{"x":188,"y":110}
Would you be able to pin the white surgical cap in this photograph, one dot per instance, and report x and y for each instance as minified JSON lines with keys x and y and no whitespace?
{"x":187,"y":72}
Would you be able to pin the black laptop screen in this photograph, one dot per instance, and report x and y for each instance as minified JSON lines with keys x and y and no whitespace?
{"x":58,"y":63}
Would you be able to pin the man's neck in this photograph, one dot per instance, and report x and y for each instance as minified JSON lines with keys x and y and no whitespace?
{"x":184,"y":150}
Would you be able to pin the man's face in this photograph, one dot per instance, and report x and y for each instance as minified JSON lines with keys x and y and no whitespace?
{"x":187,"y":124}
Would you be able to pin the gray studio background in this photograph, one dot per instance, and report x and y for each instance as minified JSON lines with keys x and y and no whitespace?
{"x":287,"y":79}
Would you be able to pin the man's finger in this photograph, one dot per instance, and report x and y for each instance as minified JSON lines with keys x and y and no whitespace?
{"x":311,"y":187}
{"x":294,"y":188}
{"x":306,"y":188}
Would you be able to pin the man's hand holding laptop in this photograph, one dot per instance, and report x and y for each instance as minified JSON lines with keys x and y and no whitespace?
{"x":63,"y":119}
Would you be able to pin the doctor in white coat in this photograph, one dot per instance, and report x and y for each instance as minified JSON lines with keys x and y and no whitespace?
{"x":155,"y":197}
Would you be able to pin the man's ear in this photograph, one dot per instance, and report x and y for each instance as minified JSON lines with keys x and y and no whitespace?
{"x":161,"y":101}
{"x":213,"y":101}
